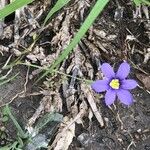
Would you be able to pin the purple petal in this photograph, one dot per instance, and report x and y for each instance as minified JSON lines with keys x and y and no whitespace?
{"x":128,"y":84}
{"x":125,"y":97}
{"x":107,"y":70}
{"x":100,"y":85}
{"x":110,"y":97}
{"x":123,"y":71}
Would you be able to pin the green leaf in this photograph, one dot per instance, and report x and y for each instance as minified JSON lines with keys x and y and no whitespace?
{"x":137,"y":2}
{"x":8,"y":9}
{"x":49,"y":117}
{"x":5,"y":119}
{"x":96,"y":10}
{"x":59,"y":4}
{"x":5,"y":148}
{"x":147,"y":2}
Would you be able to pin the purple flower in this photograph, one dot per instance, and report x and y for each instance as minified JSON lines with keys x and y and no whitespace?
{"x":115,"y":84}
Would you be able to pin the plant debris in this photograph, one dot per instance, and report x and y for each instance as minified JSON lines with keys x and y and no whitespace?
{"x":83,"y":121}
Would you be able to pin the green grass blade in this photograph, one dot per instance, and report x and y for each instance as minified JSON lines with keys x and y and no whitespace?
{"x":59,"y":4}
{"x":96,"y":10}
{"x":20,"y":131}
{"x":8,"y":80}
{"x":8,"y":9}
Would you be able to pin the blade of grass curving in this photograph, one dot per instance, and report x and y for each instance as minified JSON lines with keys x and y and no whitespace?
{"x":59,"y":4}
{"x":10,"y":8}
{"x":8,"y":80}
{"x":96,"y":10}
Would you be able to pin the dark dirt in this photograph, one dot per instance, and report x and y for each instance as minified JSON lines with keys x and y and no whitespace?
{"x":108,"y":40}
{"x":134,"y":126}
{"x":22,"y":105}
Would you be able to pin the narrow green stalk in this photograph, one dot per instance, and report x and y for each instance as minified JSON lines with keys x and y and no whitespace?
{"x":59,"y":4}
{"x":10,"y":8}
{"x":61,"y":73}
{"x":20,"y":131}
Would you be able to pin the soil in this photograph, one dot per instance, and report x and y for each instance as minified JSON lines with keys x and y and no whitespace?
{"x":116,"y":35}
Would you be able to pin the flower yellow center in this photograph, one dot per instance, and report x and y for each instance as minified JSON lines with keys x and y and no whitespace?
{"x":115,"y":84}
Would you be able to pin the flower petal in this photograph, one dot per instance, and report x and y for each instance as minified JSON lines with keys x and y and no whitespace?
{"x":110,"y":97}
{"x":100,"y":85}
{"x":128,"y":84}
{"x":123,"y":71}
{"x":125,"y":97}
{"x":107,"y":70}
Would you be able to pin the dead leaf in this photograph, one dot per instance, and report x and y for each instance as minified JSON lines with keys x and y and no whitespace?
{"x":65,"y":136}
{"x":65,"y":141}
{"x":145,"y":79}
